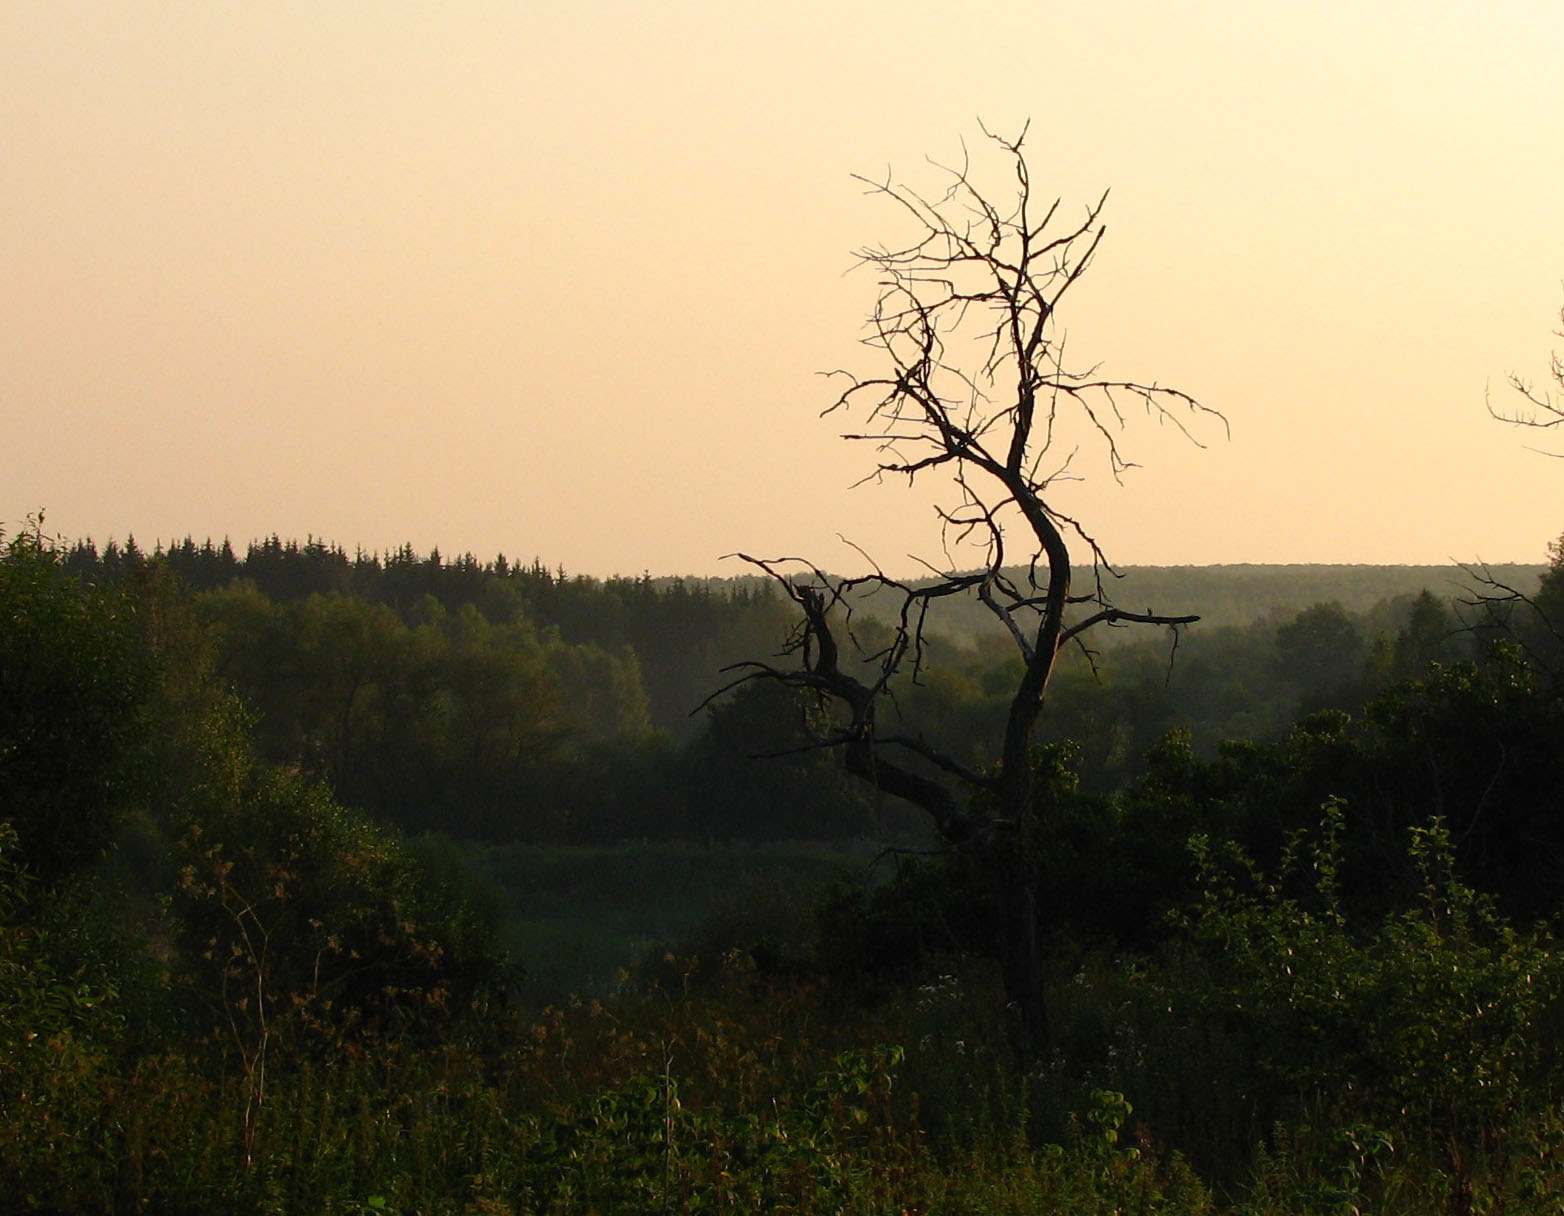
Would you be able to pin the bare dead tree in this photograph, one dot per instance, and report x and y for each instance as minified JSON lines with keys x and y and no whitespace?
{"x":1540,"y":410}
{"x":1530,"y":620}
{"x":972,"y":385}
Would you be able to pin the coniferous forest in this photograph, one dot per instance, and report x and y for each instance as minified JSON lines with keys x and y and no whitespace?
{"x":351,"y":882}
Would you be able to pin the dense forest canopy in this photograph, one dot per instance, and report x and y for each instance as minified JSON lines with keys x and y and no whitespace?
{"x":514,"y":701}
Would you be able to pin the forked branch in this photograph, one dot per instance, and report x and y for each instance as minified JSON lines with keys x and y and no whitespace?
{"x":1542,"y":411}
{"x":971,"y":385}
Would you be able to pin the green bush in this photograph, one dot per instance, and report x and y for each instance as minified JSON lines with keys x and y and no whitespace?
{"x":74,"y":682}
{"x":1438,"y":1029}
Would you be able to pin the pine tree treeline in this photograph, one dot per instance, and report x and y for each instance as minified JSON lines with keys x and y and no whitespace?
{"x":610,"y":612}
{"x":518,"y":702}
{"x":498,"y":701}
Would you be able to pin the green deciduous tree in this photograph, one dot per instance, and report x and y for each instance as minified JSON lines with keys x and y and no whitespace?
{"x":1321,"y":651}
{"x":74,"y":683}
{"x":1434,"y":1027}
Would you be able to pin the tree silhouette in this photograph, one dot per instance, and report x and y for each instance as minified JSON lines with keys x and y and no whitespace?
{"x":1535,"y":622}
{"x":1540,"y":409}
{"x":972,"y":385}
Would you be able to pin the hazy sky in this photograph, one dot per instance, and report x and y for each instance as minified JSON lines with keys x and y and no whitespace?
{"x":555,"y":279}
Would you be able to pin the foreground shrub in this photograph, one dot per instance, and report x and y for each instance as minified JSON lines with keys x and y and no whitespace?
{"x":1426,"y":1043}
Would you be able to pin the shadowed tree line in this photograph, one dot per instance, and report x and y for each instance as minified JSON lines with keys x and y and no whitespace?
{"x":509,"y":703}
{"x":680,"y":629}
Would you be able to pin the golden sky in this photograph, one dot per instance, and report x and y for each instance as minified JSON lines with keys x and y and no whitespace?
{"x":555,"y":279}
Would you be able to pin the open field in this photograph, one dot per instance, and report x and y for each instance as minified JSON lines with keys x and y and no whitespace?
{"x":576,"y":916}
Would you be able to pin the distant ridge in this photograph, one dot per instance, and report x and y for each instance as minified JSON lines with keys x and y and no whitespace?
{"x":1242,"y":593}
{"x":1223,"y":594}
